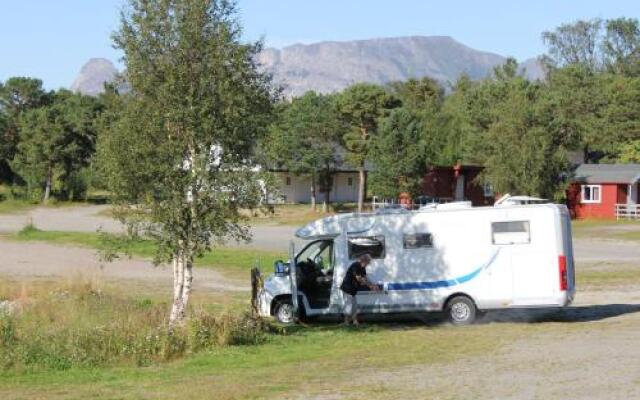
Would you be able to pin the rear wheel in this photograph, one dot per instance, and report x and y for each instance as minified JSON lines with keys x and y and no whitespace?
{"x":461,"y":310}
{"x":284,"y":312}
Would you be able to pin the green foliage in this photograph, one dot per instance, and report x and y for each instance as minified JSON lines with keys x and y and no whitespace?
{"x":630,"y":152}
{"x":574,"y":43}
{"x":361,"y":106}
{"x":621,"y":46}
{"x":399,"y":154}
{"x":305,"y":137}
{"x":182,"y":145}
{"x":520,"y":139}
{"x":17,"y":95}
{"x":56,"y":141}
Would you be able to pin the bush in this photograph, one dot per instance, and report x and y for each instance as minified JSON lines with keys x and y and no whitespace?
{"x":78,"y":325}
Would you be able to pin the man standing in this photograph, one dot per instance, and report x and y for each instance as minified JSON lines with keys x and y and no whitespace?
{"x":354,"y":280}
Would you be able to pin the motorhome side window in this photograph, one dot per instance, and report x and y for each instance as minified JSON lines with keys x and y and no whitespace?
{"x":417,"y":240}
{"x":510,"y":232}
{"x":374,"y":245}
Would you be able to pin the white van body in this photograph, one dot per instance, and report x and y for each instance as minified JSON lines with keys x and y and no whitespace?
{"x":498,"y":257}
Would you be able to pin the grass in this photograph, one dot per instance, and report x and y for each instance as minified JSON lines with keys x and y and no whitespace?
{"x":609,"y":277}
{"x":233,"y":262}
{"x":80,"y":325}
{"x":81,"y":341}
{"x":295,"y":214}
{"x":607,"y":229}
{"x":15,"y":206}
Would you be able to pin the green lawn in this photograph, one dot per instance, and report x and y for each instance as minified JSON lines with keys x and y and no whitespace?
{"x":234,"y":262}
{"x":15,"y":206}
{"x":608,"y":277}
{"x":295,"y":214}
{"x":607,"y":229}
{"x":309,"y":359}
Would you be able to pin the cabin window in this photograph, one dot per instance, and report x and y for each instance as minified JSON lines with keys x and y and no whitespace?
{"x":349,"y":181}
{"x":288,"y":181}
{"x":511,"y":232}
{"x":373,"y":245}
{"x":417,"y":240}
{"x":591,"y":193}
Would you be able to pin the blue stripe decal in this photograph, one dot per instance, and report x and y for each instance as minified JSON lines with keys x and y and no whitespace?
{"x":442,"y":283}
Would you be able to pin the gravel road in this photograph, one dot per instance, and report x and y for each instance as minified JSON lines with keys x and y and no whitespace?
{"x":41,"y":260}
{"x":88,"y":219}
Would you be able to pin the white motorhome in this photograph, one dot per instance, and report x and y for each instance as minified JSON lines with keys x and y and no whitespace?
{"x":452,"y":257}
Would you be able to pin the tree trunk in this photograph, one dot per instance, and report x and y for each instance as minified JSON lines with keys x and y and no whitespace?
{"x":313,"y":192}
{"x":585,"y":155}
{"x":326,"y":201}
{"x":182,"y":283}
{"x":361,"y":179}
{"x":47,"y":187}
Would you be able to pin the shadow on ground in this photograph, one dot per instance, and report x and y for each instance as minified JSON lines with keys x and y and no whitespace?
{"x":527,"y":316}
{"x":569,"y":314}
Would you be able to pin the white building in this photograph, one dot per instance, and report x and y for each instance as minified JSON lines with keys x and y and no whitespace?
{"x":297,"y":188}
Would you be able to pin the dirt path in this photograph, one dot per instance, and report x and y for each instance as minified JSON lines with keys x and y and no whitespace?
{"x":40,"y":260}
{"x":589,"y":351}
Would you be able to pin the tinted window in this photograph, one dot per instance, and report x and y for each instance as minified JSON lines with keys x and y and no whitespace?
{"x":417,"y":240}
{"x":373,"y":245}
{"x":511,"y":232}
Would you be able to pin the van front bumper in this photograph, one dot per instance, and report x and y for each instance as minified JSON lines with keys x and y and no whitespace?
{"x":264,"y":303}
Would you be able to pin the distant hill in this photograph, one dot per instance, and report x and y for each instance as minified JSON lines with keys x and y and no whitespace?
{"x":93,"y":76}
{"x":332,"y":66}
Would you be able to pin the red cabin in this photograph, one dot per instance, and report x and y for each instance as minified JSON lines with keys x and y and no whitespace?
{"x":457,"y":183}
{"x":604,"y":191}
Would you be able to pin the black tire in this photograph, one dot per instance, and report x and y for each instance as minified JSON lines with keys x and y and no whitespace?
{"x":461,"y":310}
{"x":283,"y":312}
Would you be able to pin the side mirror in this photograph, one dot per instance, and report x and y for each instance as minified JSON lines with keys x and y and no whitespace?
{"x":280,"y":268}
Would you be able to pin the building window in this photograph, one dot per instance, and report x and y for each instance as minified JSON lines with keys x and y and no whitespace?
{"x":287,"y":181}
{"x":349,"y":181}
{"x":510,"y":232}
{"x":591,"y":194}
{"x":372,"y":245}
{"x":417,"y":240}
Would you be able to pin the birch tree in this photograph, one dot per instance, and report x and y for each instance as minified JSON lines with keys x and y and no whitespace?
{"x":179,"y":159}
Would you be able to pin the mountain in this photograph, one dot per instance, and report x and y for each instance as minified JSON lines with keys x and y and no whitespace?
{"x":332,"y":66}
{"x":93,"y":76}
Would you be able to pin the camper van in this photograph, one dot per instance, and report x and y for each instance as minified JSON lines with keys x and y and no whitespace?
{"x":451,"y":258}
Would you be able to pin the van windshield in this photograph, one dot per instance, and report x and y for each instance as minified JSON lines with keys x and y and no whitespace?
{"x":320,"y":253}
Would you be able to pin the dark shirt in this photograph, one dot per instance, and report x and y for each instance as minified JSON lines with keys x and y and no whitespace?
{"x":350,"y":284}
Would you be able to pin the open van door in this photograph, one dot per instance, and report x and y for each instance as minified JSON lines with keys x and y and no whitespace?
{"x":293,"y":278}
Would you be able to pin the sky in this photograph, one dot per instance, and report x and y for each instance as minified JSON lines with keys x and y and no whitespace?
{"x":51,"y":40}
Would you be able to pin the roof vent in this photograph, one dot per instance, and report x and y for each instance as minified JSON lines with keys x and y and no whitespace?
{"x":508,"y":200}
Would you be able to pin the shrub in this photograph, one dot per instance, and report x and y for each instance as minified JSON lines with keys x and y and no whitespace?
{"x":80,"y":325}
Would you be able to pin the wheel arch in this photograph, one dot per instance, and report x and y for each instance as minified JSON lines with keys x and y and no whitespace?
{"x":445,"y":304}
{"x":279,"y":298}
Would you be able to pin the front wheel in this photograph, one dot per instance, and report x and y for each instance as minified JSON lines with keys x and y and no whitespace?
{"x":461,"y":311}
{"x":284,"y":312}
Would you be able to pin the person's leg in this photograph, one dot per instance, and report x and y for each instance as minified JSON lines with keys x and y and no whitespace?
{"x":354,"y":310}
{"x":348,"y":307}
